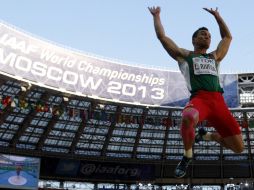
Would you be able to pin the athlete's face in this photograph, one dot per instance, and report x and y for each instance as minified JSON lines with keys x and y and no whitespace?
{"x":202,"y":40}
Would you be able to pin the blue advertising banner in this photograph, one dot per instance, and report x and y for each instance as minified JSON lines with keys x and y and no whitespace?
{"x":81,"y":169}
{"x":27,"y":58}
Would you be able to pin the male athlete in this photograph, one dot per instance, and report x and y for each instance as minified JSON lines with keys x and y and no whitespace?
{"x":200,"y":70}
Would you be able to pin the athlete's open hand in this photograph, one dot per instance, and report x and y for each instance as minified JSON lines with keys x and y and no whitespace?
{"x":214,"y":12}
{"x":154,"y":10}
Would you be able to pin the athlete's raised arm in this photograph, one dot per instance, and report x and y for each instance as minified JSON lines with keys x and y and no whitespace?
{"x":226,"y":36}
{"x":169,"y":45}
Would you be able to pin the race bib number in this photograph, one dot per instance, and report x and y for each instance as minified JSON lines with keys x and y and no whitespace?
{"x":204,"y":66}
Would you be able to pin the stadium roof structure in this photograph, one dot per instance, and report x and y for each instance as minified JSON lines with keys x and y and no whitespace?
{"x":47,"y":122}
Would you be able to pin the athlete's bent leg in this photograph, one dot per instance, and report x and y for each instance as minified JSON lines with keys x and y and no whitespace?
{"x":234,"y":143}
{"x":229,"y":132}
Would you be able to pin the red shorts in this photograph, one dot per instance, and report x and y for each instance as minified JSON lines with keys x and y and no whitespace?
{"x":212,"y":107}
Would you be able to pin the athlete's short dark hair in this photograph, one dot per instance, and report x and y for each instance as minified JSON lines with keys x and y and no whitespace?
{"x":196,"y":32}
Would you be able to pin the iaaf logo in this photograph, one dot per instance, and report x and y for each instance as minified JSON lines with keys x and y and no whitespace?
{"x":88,"y":169}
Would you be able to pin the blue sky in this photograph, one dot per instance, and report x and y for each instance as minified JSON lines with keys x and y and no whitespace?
{"x":123,"y":29}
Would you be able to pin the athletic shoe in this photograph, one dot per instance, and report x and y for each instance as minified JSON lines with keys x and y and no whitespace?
{"x":199,"y":136}
{"x":181,"y":168}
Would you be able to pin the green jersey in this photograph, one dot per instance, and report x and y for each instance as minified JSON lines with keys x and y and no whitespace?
{"x":201,"y":73}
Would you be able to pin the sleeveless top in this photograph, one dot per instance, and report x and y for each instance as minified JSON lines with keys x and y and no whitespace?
{"x":201,"y":73}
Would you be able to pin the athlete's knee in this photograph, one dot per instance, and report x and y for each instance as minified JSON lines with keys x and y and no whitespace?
{"x":189,"y":120}
{"x":238,"y":149}
{"x":190,"y":116}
